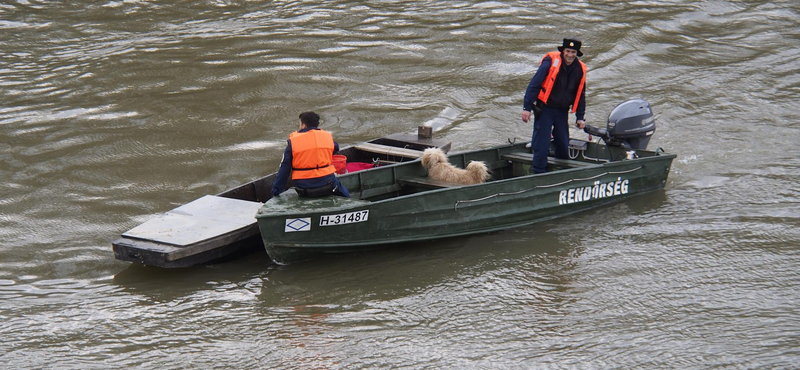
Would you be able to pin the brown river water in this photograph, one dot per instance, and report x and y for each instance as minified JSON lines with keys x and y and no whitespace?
{"x":116,"y":111}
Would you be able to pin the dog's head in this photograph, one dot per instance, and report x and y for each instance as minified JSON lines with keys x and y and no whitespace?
{"x":432,"y":156}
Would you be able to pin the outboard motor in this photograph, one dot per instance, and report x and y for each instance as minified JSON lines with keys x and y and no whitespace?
{"x":630,"y":125}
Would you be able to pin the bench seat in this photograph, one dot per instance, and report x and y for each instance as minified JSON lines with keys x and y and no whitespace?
{"x":426,"y":182}
{"x":527,"y":158}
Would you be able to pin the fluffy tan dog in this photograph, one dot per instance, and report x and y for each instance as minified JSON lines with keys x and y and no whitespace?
{"x":439,"y":168}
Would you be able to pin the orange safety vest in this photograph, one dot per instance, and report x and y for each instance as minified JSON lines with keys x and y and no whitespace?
{"x":312,"y":154}
{"x":547,"y":85}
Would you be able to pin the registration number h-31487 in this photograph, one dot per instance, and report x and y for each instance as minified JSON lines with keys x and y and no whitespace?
{"x":344,"y":218}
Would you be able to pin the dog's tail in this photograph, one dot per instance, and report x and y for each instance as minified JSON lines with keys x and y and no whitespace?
{"x":478,"y":171}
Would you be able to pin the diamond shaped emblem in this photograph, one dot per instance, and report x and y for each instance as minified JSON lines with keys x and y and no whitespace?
{"x":297,"y":224}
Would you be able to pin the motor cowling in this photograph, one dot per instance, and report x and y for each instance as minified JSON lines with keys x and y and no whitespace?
{"x":630,"y":125}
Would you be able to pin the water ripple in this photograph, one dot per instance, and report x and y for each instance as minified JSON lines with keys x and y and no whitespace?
{"x":116,"y":111}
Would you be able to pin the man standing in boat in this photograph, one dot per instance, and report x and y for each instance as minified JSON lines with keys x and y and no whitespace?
{"x":309,"y":157}
{"x":558,"y":84}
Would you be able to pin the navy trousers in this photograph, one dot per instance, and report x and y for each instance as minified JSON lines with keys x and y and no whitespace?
{"x":321,"y":181}
{"x":551,"y":120}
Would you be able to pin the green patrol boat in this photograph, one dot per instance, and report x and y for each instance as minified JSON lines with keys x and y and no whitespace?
{"x":399,"y":203}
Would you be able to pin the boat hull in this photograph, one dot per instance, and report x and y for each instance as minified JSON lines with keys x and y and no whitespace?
{"x":420,"y":214}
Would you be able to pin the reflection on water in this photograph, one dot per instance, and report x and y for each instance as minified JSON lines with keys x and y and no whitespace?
{"x":116,"y":111}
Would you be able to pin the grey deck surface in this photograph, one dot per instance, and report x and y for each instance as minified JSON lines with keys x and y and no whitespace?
{"x":202,"y":219}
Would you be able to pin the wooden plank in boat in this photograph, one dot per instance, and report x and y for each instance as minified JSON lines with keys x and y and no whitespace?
{"x":389,"y":150}
{"x":410,"y":141}
{"x":203,"y":219}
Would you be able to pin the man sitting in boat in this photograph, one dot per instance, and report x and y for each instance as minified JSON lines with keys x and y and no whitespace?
{"x":309,"y":156}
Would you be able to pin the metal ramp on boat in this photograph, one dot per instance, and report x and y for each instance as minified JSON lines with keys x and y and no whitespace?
{"x":197,"y":232}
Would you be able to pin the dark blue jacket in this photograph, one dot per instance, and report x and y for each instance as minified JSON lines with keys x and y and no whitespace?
{"x":559,"y":97}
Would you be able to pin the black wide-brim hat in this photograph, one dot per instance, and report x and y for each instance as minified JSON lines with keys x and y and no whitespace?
{"x":572,"y":43}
